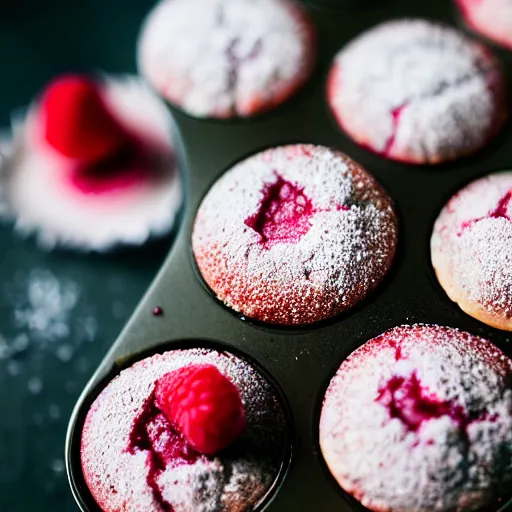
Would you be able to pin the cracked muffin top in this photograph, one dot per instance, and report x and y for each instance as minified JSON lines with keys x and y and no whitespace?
{"x":417,"y":91}
{"x":294,"y":235}
{"x":237,"y":59}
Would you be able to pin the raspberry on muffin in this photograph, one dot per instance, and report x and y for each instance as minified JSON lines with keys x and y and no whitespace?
{"x":203,"y":404}
{"x":420,"y":419}
{"x":417,"y":91}
{"x":187,"y":430}
{"x":237,"y":59}
{"x":294,"y":235}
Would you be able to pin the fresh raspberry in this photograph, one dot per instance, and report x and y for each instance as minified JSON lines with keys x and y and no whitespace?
{"x":203,"y":404}
{"x":77,"y":122}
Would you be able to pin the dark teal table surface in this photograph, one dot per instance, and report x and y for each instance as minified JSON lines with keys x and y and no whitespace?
{"x":59,"y":311}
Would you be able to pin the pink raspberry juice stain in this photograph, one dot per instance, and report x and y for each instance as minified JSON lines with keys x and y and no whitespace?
{"x":395,"y":115}
{"x":500,"y":212}
{"x":410,"y":402}
{"x":283,"y":215}
{"x":152,"y":432}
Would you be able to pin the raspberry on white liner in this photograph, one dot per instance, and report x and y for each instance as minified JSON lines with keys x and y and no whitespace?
{"x":294,"y":235}
{"x":489,"y":18}
{"x":417,"y":91}
{"x":471,"y":249}
{"x":235,"y":58}
{"x":419,"y":419}
{"x":124,"y":478}
{"x":43,"y":198}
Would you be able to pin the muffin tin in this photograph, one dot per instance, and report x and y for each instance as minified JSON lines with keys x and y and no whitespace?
{"x":179,"y":310}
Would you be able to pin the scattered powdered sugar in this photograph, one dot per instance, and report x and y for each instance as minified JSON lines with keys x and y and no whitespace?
{"x":57,"y":465}
{"x":417,"y":91}
{"x":54,"y":412}
{"x":35,"y":385}
{"x":65,"y":352}
{"x":14,"y":347}
{"x":13,"y":368}
{"x":482,"y":17}
{"x":49,"y":321}
{"x":20,"y":343}
{"x":335,"y":258}
{"x":42,"y":309}
{"x":471,"y":246}
{"x":236,"y":479}
{"x":45,"y":314}
{"x":238,"y":57}
{"x":420,"y":418}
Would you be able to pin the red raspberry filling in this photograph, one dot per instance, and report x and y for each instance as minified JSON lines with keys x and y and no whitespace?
{"x":413,"y":404}
{"x":152,"y":432}
{"x":395,"y":114}
{"x":284,"y":214}
{"x":501,"y":212}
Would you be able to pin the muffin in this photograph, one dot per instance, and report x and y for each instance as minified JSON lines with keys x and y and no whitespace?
{"x":237,"y":59}
{"x":471,"y":249}
{"x":188,"y":430}
{"x":417,"y":91}
{"x":420,"y":419}
{"x":294,"y":235}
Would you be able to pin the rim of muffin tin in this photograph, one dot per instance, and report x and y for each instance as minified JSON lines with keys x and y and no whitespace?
{"x":184,"y":227}
{"x":80,"y":490}
{"x":101,"y":378}
{"x":187,"y":215}
{"x":269,"y":113}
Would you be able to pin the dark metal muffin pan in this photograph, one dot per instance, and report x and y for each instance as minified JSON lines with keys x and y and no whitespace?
{"x":301,"y":361}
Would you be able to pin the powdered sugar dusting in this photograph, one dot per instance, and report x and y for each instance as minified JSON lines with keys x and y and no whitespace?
{"x":472,"y":246}
{"x":449,"y":89}
{"x":238,"y":57}
{"x":482,"y":17}
{"x":240,"y":475}
{"x":459,"y":456}
{"x":343,"y":254}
